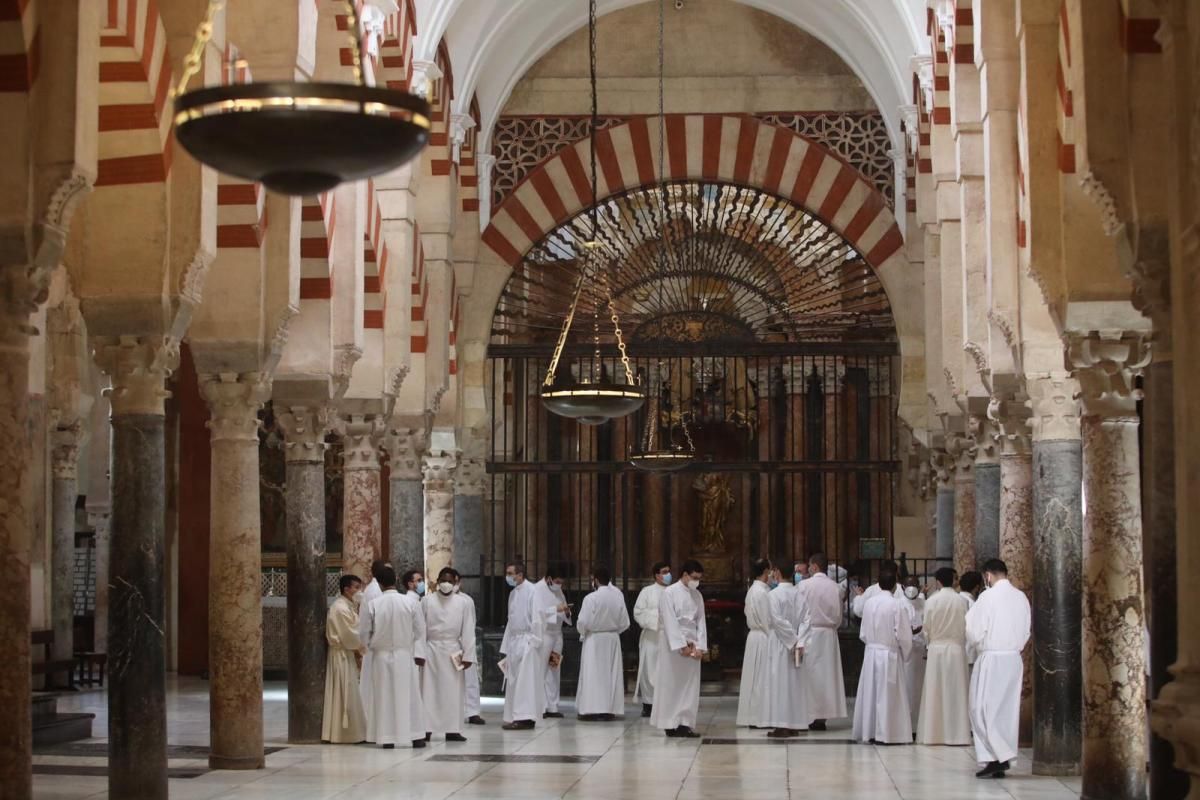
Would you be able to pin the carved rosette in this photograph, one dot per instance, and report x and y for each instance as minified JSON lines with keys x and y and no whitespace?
{"x":403,"y":446}
{"x":234,"y":402}
{"x":1106,"y":365}
{"x":361,"y":436}
{"x":304,"y":430}
{"x":64,"y":455}
{"x":138,"y":368}
{"x":1054,"y":406}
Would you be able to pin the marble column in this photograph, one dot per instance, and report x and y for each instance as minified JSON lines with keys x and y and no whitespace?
{"x":1016,"y":530}
{"x":438,"y":470}
{"x":1057,"y":574}
{"x":987,"y":490}
{"x":304,"y":429}
{"x":235,"y":644}
{"x":64,"y":460}
{"x":100,"y":523}
{"x":99,"y":505}
{"x":362,"y":495}
{"x":943,"y":515}
{"x":470,"y":480}
{"x":406,"y":499}
{"x":137,"y":714}
{"x":1114,"y":663}
{"x":962,"y":448}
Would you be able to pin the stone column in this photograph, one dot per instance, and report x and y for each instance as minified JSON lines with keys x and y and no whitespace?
{"x":987,"y":490}
{"x":362,"y":496}
{"x":962,"y":448}
{"x":469,"y":482}
{"x":137,"y":714}
{"x":101,"y":523}
{"x":304,"y":429}
{"x":99,"y":507}
{"x":1114,"y":663}
{"x":406,"y":499}
{"x":64,"y":460}
{"x":943,"y":515}
{"x":1016,"y":529}
{"x":1057,"y":574}
{"x":235,"y":645}
{"x":438,"y":470}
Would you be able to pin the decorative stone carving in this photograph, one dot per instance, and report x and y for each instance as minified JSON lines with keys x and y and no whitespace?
{"x":974,"y":350}
{"x":138,"y":368}
{"x":1150,"y":273}
{"x":460,"y":124}
{"x":361,"y":437}
{"x":234,"y":402}
{"x":1094,"y":189}
{"x":361,"y":494}
{"x":438,"y":470}
{"x":64,"y":455}
{"x":470,"y":477}
{"x":1055,"y":406}
{"x":344,"y":358}
{"x":943,"y":465}
{"x":403,"y":446}
{"x":424,"y":74}
{"x":1106,"y":365}
{"x":304,"y":430}
{"x":983,"y":431}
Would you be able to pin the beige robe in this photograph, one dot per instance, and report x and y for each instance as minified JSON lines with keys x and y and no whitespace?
{"x":343,"y":720}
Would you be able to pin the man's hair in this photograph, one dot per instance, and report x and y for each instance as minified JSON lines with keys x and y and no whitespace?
{"x":448,"y":572}
{"x":819,"y":561}
{"x":658,"y":567}
{"x":407,"y":577}
{"x":387,"y":577}
{"x":346,"y":581}
{"x":995,"y":566}
{"x":970,"y":581}
{"x":376,"y":566}
{"x":517,"y":566}
{"x":693,"y":566}
{"x":602,"y":575}
{"x":945,"y":576}
{"x":887,"y":581}
{"x":760,"y":565}
{"x":555,"y":569}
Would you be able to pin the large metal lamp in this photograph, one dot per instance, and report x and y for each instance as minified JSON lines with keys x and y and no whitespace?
{"x":298,"y":138}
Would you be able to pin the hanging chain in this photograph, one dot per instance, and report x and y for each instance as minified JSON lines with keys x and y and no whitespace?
{"x":612,"y":309}
{"x":566,"y":329}
{"x":355,"y":47}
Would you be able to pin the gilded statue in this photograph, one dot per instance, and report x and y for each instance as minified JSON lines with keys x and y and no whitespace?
{"x":716,"y":499}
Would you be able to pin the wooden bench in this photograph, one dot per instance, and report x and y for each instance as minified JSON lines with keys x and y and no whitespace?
{"x":48,"y":666}
{"x":88,"y":665}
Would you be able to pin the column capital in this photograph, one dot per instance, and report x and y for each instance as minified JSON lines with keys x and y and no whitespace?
{"x":438,"y":470}
{"x":1054,"y":403}
{"x":1106,"y":364}
{"x":470,"y":478}
{"x":403,"y":446}
{"x":138,"y":367}
{"x":64,"y":454}
{"x":234,"y":402}
{"x":304,"y":430}
{"x":1011,"y":414}
{"x":943,"y":467}
{"x":361,"y":436}
{"x":985,"y":432}
{"x":962,"y":448}
{"x":424,"y":73}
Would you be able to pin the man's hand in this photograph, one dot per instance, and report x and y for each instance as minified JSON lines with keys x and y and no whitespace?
{"x":563,"y":608}
{"x":800,"y":650}
{"x":858,"y":590}
{"x":420,"y":662}
{"x":687,"y":650}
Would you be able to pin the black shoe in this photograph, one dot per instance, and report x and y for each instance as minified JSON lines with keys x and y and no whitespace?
{"x":518,"y":725}
{"x":781,"y":733}
{"x":389,"y":747}
{"x":646,"y":709}
{"x":418,"y":744}
{"x":455,"y":737}
{"x":817,"y":725}
{"x":476,"y":720}
{"x":552,"y":715}
{"x":684,"y":732}
{"x":992,"y":770}
{"x":428,"y":735}
{"x":591,"y":717}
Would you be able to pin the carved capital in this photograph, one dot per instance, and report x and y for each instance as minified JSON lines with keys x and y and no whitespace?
{"x":984,"y":432}
{"x":1106,"y":364}
{"x":345,"y":356}
{"x":304,"y":430}
{"x":1054,"y":406}
{"x":404,"y":446}
{"x":943,"y":467}
{"x":1010,"y":415}
{"x":64,"y":453}
{"x":361,"y":436}
{"x":138,"y":368}
{"x":1150,"y":273}
{"x":962,"y":448}
{"x":438,"y":471}
{"x":234,"y":402}
{"x":424,"y":74}
{"x":470,"y":477}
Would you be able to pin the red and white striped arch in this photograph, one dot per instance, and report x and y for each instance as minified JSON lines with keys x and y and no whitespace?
{"x":728,"y":148}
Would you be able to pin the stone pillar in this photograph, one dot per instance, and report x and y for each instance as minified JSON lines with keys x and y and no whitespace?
{"x":438,"y":469}
{"x":1057,"y":574}
{"x":406,"y":499}
{"x":99,"y":507}
{"x":1016,"y":529}
{"x":101,"y":524}
{"x":1114,"y":663}
{"x":64,"y":460}
{"x":987,"y":490}
{"x":137,"y":714}
{"x":304,"y":429}
{"x":962,"y":448}
{"x":470,"y":479}
{"x":943,"y":515}
{"x":235,"y":567}
{"x":362,"y":495}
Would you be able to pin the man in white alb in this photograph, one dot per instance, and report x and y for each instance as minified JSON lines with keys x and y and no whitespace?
{"x":343,"y":720}
{"x":914,"y":669}
{"x":471,"y":675}
{"x":645,"y":614}
{"x":998,"y":627}
{"x":552,"y":584}
{"x":682,"y":642}
{"x":392,"y":628}
{"x":450,"y":633}
{"x":602,"y":619}
{"x":825,"y":688}
{"x":525,"y":652}
{"x":788,"y":643}
{"x":881,"y":711}
{"x":754,"y":700}
{"x":861,"y":596}
{"x":363,"y":600}
{"x":944,"y":718}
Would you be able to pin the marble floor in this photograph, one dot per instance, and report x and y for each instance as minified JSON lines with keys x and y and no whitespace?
{"x":559,"y":759}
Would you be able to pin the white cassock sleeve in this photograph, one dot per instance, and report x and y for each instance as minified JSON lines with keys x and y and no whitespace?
{"x":805,"y":625}
{"x":857,"y":606}
{"x":782,"y":628}
{"x":670,"y":623}
{"x":366,"y":624}
{"x":467,"y":635}
{"x":585,"y":616}
{"x":701,"y":628}
{"x":902,"y":624}
{"x":644,"y":611}
{"x":624,"y":616}
{"x":419,"y":649}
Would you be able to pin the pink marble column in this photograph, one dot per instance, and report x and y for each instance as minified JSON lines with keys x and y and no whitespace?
{"x":962,"y":449}
{"x":1114,"y":665}
{"x":438,"y":471}
{"x":1016,"y":527}
{"x":362,"y":494}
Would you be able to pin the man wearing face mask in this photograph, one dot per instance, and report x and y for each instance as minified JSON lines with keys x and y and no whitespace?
{"x":754,"y":700}
{"x":682,"y":642}
{"x":551,"y":591}
{"x":914,"y":670}
{"x":525,"y":657}
{"x":943,"y":717}
{"x":450,"y":632}
{"x":602,"y":619}
{"x":825,"y":689}
{"x":998,"y":627}
{"x":645,"y":613}
{"x":363,"y":600}
{"x":861,"y":596}
{"x":393,"y":628}
{"x":343,"y":720}
{"x":413,"y":583}
{"x":790,"y":626}
{"x":881,"y":711}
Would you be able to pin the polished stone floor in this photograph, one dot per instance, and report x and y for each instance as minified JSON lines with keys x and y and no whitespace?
{"x":560,"y":758}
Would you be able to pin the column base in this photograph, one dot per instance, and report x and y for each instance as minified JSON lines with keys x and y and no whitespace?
{"x":236,"y":762}
{"x":1056,"y":770}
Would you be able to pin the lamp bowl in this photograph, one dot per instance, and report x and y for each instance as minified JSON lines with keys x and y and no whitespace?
{"x":593,"y":403}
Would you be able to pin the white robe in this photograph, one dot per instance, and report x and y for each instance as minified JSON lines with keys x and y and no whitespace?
{"x":825,"y":686}
{"x":393,"y":629}
{"x":881,"y":710}
{"x":525,"y":653}
{"x":787,"y":696}
{"x":471,"y":675}
{"x":914,"y":669}
{"x":944,"y":716}
{"x":998,"y":628}
{"x":554,"y":644}
{"x":754,"y":696}
{"x":602,"y":619}
{"x":677,"y":679}
{"x":860,"y":600}
{"x":365,"y":597}
{"x":343,"y":720}
{"x":449,"y":629}
{"x":645,"y":614}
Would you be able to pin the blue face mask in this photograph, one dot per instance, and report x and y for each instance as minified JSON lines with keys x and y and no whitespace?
{"x":511,"y":580}
{"x":421,"y":587}
{"x":797,"y":577}
{"x":666,"y":579}
{"x":772,"y":582}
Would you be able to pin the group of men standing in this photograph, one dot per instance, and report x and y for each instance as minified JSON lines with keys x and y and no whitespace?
{"x":399,"y":662}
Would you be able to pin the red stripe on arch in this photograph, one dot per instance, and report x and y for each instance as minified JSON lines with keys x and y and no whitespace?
{"x":677,"y":146}
{"x":780,"y":146}
{"x":864,"y":217}
{"x":747,"y":137}
{"x":639,"y":134}
{"x":500,"y":244}
{"x":837,"y":192}
{"x":606,"y":155}
{"x":710,"y":161}
{"x":520,"y":215}
{"x":578,"y":175}
{"x":883,"y":250}
{"x":548,"y":192}
{"x":810,"y":165}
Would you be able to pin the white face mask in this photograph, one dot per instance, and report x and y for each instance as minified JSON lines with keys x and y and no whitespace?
{"x":445,"y":587}
{"x":911,"y":592}
{"x":694,"y":583}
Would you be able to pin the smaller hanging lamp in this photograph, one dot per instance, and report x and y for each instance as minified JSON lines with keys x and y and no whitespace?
{"x":297,"y":138}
